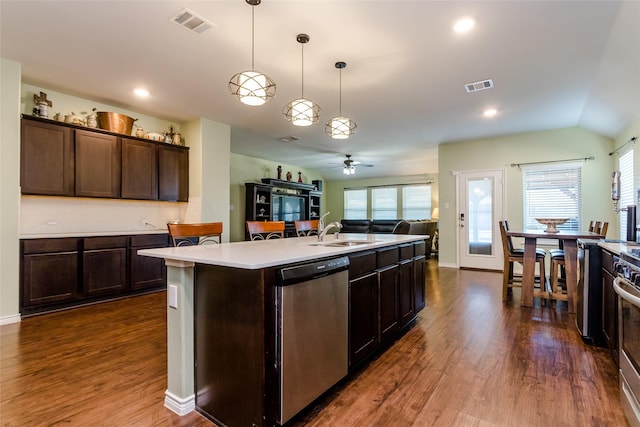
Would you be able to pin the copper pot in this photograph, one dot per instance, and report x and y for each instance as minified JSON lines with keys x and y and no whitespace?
{"x":114,"y":122}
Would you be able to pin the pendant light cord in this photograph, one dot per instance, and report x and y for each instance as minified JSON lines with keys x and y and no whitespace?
{"x":302,"y":68}
{"x":253,"y":37}
{"x":340,"y":95}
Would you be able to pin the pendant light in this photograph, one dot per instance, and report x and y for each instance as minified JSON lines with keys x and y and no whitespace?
{"x":252,"y":87}
{"x":340,"y":127}
{"x":301,"y":111}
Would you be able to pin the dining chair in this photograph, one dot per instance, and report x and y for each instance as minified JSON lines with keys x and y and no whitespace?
{"x":306,"y":227}
{"x":264,"y":230}
{"x":511,"y":255}
{"x":558,"y":276}
{"x":195,"y":234}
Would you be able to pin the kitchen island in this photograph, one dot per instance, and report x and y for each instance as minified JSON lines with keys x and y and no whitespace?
{"x":225,"y":321}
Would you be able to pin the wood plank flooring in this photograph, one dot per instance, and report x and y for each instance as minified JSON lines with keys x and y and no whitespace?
{"x":470,"y":360}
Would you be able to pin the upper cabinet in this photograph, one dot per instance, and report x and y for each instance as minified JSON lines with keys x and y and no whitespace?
{"x":139,"y":169}
{"x":173,"y":165}
{"x":59,"y":159}
{"x":46,"y":159}
{"x":97,"y":164}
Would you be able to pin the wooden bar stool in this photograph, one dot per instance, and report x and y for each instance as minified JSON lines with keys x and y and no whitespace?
{"x":511,"y":255}
{"x":195,"y":234}
{"x":264,"y":230}
{"x":306,"y":228}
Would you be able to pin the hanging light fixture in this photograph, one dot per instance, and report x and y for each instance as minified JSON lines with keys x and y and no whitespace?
{"x":349,"y":170}
{"x":301,"y":111}
{"x":340,"y":127}
{"x":252,"y":87}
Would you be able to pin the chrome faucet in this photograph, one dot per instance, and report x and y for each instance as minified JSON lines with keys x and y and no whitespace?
{"x":321,"y":223}
{"x":325,"y":230}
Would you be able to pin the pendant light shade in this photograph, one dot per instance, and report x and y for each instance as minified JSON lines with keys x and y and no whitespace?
{"x":340,"y":127}
{"x":301,"y":111}
{"x":252,"y":87}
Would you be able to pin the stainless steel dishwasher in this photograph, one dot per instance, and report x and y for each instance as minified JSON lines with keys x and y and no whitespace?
{"x":312,"y":315}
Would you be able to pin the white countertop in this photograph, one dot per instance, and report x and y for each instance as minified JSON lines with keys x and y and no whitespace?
{"x":617,"y":247}
{"x":92,"y":234}
{"x":270,"y":253}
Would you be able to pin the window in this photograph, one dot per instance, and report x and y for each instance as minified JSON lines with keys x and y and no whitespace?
{"x":416,"y":202}
{"x":552,"y":191}
{"x":625,"y":166}
{"x":355,"y":204}
{"x":384,"y":203}
{"x":389,"y":202}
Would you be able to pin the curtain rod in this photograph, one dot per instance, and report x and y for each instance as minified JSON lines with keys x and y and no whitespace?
{"x":631,"y":141}
{"x":553,"y":161}
{"x":390,"y":185}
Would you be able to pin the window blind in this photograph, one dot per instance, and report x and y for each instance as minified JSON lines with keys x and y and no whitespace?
{"x":355,"y":204}
{"x":552,"y":192}
{"x":625,"y":166}
{"x":416,"y":202}
{"x":384,"y":203}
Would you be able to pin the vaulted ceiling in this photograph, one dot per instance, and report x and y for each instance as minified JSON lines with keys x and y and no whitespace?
{"x":554,"y":64}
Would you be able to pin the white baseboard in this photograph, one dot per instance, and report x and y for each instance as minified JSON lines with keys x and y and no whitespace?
{"x":5,"y":320}
{"x":447,"y":265}
{"x":181,"y":406}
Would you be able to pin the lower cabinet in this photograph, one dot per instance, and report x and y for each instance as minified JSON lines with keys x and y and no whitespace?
{"x":49,"y":271}
{"x":104,"y":269}
{"x":609,"y":307}
{"x":66,"y":272}
{"x":147,"y":272}
{"x":386,"y":291}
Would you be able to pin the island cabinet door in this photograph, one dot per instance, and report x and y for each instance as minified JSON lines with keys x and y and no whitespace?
{"x":406,"y":311}
{"x":419,"y":283}
{"x":388,"y":301}
{"x":363,"y":317}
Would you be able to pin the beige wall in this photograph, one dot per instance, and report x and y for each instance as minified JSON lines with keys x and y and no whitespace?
{"x":9,"y":188}
{"x":251,"y":169}
{"x":501,"y":152}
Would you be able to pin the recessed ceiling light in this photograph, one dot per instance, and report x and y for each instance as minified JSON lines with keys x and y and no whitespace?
{"x":463,"y":25}
{"x":490,"y":112}
{"x":142,"y":93}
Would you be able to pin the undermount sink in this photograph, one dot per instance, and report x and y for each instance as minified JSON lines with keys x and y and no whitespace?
{"x":342,"y":243}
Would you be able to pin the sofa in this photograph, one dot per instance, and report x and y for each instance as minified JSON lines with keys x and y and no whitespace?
{"x":388,"y":226}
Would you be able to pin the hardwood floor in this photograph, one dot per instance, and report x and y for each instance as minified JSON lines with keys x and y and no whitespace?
{"x":470,"y":360}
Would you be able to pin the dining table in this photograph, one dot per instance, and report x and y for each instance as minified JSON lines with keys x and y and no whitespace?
{"x":569,"y":239}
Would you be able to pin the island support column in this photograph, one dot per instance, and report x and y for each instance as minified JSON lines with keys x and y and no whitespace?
{"x":180,"y":394}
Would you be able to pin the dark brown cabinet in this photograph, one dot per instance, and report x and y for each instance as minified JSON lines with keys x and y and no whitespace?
{"x":147,"y":272}
{"x":363,"y":308}
{"x":49,"y":271}
{"x":609,"y":306}
{"x":173,"y":173}
{"x":60,"y":159}
{"x":387,"y":269}
{"x":419,"y":300}
{"x":66,"y":272}
{"x":258,"y":202}
{"x":104,"y":265}
{"x":406,"y":304}
{"x":139,"y":170}
{"x":46,"y":159}
{"x":97,"y":164}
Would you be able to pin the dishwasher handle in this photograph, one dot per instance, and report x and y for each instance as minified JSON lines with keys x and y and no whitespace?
{"x":301,"y":273}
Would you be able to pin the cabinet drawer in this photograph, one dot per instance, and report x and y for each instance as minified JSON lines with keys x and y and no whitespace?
{"x":361,"y":263}
{"x":406,"y":251}
{"x":387,"y":256}
{"x":42,"y":246}
{"x":107,"y":242}
{"x":149,"y":240}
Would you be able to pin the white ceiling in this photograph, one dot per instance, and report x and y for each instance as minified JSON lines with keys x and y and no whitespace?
{"x":554,"y":64}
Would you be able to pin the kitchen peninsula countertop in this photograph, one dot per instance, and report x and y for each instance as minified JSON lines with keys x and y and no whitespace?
{"x":617,"y":247}
{"x":253,"y":255}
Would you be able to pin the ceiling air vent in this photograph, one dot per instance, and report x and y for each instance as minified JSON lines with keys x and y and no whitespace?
{"x":192,"y":21}
{"x":289,"y":138}
{"x":474,"y":87}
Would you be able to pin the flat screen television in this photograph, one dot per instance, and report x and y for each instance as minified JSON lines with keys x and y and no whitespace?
{"x":288,"y":208}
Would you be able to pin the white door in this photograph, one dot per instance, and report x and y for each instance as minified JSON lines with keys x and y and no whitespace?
{"x":480,"y":207}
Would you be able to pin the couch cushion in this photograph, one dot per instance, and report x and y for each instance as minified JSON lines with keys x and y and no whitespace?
{"x":383,"y":225}
{"x":355,"y":225}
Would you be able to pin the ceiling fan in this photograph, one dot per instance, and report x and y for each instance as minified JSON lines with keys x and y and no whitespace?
{"x":350,"y":165}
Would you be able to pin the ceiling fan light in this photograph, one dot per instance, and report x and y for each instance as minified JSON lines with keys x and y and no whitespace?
{"x":340,"y":128}
{"x":302,"y":112}
{"x":349,"y":170}
{"x":252,"y":87}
